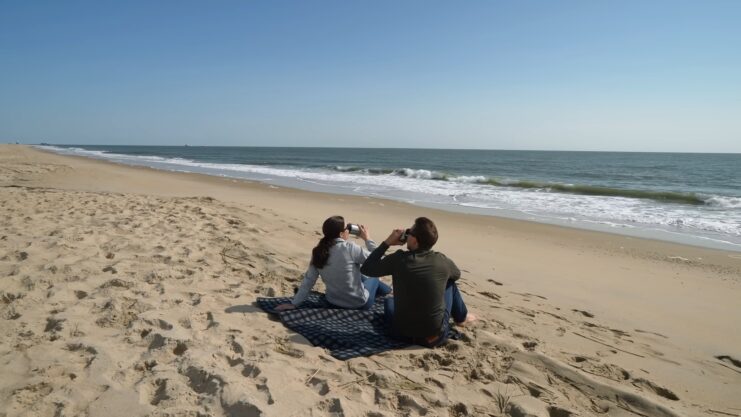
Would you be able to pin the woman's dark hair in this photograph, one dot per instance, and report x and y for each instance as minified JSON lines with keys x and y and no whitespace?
{"x":331,"y":228}
{"x":425,"y":232}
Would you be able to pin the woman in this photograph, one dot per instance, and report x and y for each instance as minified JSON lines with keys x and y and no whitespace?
{"x":338,"y":262}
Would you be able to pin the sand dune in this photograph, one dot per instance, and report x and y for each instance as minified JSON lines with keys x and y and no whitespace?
{"x":129,"y":292}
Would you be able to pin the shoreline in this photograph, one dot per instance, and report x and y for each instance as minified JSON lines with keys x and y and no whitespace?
{"x":651,"y":234}
{"x":538,"y":290}
{"x":667,"y":233}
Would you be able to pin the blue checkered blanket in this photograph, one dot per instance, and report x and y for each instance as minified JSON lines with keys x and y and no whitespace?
{"x":345,"y":333}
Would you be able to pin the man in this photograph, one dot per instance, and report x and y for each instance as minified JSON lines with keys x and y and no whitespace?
{"x":425,"y":295}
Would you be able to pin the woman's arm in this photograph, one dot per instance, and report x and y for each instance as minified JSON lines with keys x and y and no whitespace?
{"x":360,"y":254}
{"x":310,"y":277}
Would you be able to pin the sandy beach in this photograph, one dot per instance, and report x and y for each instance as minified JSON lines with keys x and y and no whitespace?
{"x":128,"y":291}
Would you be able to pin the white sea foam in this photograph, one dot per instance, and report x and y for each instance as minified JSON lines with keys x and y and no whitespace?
{"x":422,"y":174}
{"x":724,"y":202}
{"x":469,"y":178}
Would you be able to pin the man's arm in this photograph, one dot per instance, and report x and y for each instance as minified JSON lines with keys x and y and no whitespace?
{"x":455,"y":273}
{"x":377,"y":265}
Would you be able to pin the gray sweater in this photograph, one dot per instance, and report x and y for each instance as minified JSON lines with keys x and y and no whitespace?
{"x":341,"y":275}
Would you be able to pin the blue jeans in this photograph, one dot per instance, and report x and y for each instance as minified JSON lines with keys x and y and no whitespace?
{"x":454,"y":304}
{"x":454,"y":307}
{"x":375,"y":287}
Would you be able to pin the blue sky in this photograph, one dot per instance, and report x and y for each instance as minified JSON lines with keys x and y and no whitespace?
{"x":577,"y":75}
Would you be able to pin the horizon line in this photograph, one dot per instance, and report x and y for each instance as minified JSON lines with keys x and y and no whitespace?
{"x":378,"y":148}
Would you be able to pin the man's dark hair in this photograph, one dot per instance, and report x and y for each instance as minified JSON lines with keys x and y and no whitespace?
{"x":425,"y":232}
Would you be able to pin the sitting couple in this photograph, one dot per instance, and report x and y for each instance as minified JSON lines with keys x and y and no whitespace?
{"x":425,"y":295}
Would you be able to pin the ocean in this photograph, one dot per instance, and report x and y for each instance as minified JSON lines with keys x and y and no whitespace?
{"x":681,"y":197}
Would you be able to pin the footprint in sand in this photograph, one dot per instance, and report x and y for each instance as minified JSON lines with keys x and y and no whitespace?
{"x":319,"y":385}
{"x":88,"y":353}
{"x":459,"y":410}
{"x":202,"y":382}
{"x":11,"y":314}
{"x":284,"y":346}
{"x":660,"y":391}
{"x":180,"y":348}
{"x":160,"y":392}
{"x":733,"y":361}
{"x":332,"y":406}
{"x":241,"y":409}
{"x":31,"y":394}
{"x":605,"y":370}
{"x":157,"y":341}
{"x":234,"y":361}
{"x":408,"y":403}
{"x":54,"y":324}
{"x":8,"y":297}
{"x":251,"y":371}
{"x":235,"y":346}
{"x":530,"y":345}
{"x":195,"y":299}
{"x":584,"y":313}
{"x":210,"y":320}
{"x":159,"y":323}
{"x":433,"y":360}
{"x":262,"y":387}
{"x":491,"y":295}
{"x":433,"y":381}
{"x":110,"y":269}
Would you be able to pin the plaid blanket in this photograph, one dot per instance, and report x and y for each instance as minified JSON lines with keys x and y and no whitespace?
{"x":345,"y":333}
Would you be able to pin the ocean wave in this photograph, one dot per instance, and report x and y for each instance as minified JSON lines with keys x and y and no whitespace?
{"x":424,"y":174}
{"x":661,"y":196}
{"x":724,"y":202}
{"x":593,"y":190}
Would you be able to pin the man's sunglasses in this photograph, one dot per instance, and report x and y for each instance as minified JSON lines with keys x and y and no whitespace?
{"x":405,"y":235}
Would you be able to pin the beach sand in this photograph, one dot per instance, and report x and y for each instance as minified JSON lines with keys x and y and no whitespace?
{"x":128,"y":291}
